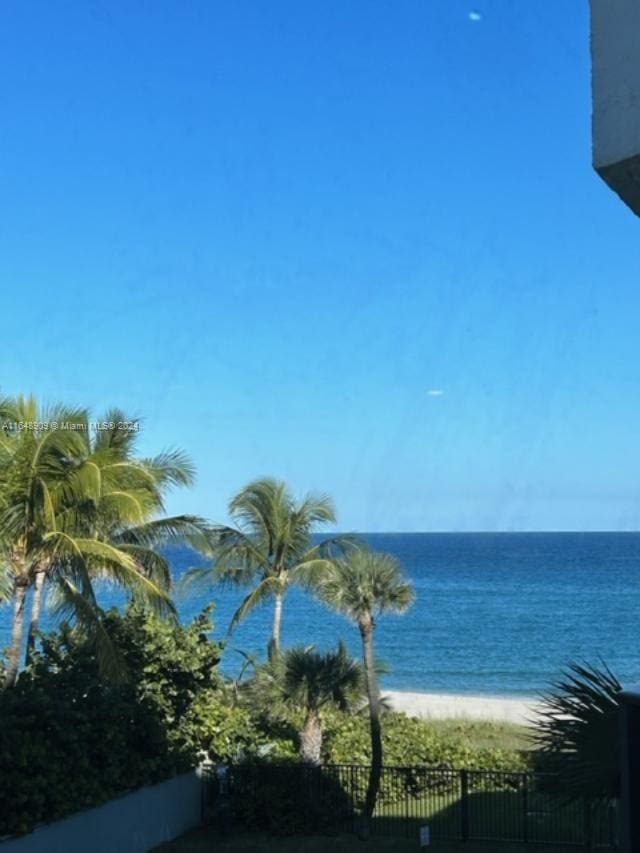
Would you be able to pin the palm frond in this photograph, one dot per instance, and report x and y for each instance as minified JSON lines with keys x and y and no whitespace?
{"x":311,"y":680}
{"x":171,"y":468}
{"x":152,"y":565}
{"x":238,"y":557}
{"x":189,"y":530}
{"x":112,"y":436}
{"x":336,"y":547}
{"x":310,"y":573}
{"x":365,"y":583}
{"x":6,"y":583}
{"x":316,"y":508}
{"x":89,"y":617}
{"x":265,"y":590}
{"x":103,"y":560}
{"x":577,"y":732}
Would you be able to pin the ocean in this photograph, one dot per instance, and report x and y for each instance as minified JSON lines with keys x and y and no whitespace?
{"x":495,"y":614}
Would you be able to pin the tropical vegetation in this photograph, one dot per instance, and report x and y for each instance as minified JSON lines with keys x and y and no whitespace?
{"x":271,"y":546}
{"x":64,"y":721}
{"x":78,"y":506}
{"x":409,"y":741}
{"x":122,"y":699}
{"x":310,"y":682}
{"x":577,"y":736}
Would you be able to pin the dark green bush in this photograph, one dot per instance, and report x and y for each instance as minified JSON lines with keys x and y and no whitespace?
{"x":69,"y":739}
{"x":289,"y":799}
{"x":408,"y":741}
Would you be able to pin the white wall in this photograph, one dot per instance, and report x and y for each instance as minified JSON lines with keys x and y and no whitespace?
{"x":134,"y":823}
{"x":615,"y":57}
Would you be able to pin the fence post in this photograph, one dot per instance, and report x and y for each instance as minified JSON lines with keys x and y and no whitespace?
{"x":525,"y":808}
{"x":204,"y":785}
{"x":464,"y":805}
{"x":613,"y":823}
{"x":353,"y":782}
{"x":407,"y":808}
{"x":588,"y":826}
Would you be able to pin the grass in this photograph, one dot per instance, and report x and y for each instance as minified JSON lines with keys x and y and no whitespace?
{"x":204,"y":841}
{"x":484,"y":734}
{"x":491,"y":814}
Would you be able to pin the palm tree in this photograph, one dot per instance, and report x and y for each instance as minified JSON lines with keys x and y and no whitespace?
{"x":34,"y":461}
{"x":118,"y":498}
{"x":72,"y":511}
{"x":271,"y":546}
{"x":309,"y":681}
{"x":577,"y":734}
{"x":363,"y":586}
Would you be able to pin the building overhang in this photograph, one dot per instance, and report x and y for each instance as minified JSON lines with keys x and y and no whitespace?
{"x":615,"y":82}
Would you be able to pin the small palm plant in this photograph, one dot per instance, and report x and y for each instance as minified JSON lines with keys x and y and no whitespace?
{"x":312,"y":681}
{"x":307,"y":682}
{"x":577,"y":734}
{"x":363,"y":586}
{"x":270,"y":547}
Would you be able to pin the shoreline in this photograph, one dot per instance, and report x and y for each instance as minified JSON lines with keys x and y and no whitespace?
{"x":521,"y":711}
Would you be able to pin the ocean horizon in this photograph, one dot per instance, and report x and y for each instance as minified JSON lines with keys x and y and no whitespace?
{"x":496,"y":614}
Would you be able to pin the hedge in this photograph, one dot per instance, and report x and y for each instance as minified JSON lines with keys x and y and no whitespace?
{"x":69,"y":739}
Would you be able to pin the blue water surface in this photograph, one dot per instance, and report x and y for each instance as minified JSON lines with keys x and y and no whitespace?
{"x":496,"y":614}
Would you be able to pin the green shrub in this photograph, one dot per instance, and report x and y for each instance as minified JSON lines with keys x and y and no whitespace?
{"x":70,"y":740}
{"x":289,"y":799}
{"x":228,"y":734}
{"x":408,"y":741}
{"x":453,"y":744}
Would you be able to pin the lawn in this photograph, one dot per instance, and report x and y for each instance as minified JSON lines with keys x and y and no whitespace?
{"x":483,"y":806}
{"x":204,"y":841}
{"x":484,"y":734}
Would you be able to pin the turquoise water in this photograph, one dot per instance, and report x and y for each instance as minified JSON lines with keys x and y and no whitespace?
{"x":496,"y":614}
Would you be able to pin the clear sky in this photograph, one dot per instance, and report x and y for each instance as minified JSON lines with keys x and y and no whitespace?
{"x":272,"y":228}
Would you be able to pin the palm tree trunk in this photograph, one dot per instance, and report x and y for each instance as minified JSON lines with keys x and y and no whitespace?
{"x":36,"y":608}
{"x":373,"y":695}
{"x":17,"y":631}
{"x":311,"y":739}
{"x":274,"y":645}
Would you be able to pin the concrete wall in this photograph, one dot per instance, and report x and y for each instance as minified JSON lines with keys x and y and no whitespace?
{"x":134,"y":823}
{"x":615,"y":57}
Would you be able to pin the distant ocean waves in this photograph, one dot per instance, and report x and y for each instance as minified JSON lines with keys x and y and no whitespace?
{"x":495,"y":614}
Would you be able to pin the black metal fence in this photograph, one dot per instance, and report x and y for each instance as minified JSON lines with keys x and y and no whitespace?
{"x":482,"y":805}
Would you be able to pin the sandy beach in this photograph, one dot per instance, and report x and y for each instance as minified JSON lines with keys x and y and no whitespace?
{"x":443,"y":705}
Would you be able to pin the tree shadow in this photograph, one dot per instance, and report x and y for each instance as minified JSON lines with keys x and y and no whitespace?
{"x":280,"y":799}
{"x":291,"y":799}
{"x":520,"y":817}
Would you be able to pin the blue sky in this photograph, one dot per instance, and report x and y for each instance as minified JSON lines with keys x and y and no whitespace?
{"x":272,"y":228}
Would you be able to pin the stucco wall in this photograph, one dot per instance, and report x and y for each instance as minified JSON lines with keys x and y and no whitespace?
{"x":615,"y":58}
{"x":134,"y":823}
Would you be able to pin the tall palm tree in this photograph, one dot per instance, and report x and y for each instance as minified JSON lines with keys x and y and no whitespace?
{"x":271,"y":547}
{"x":309,"y":681}
{"x":363,"y":586}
